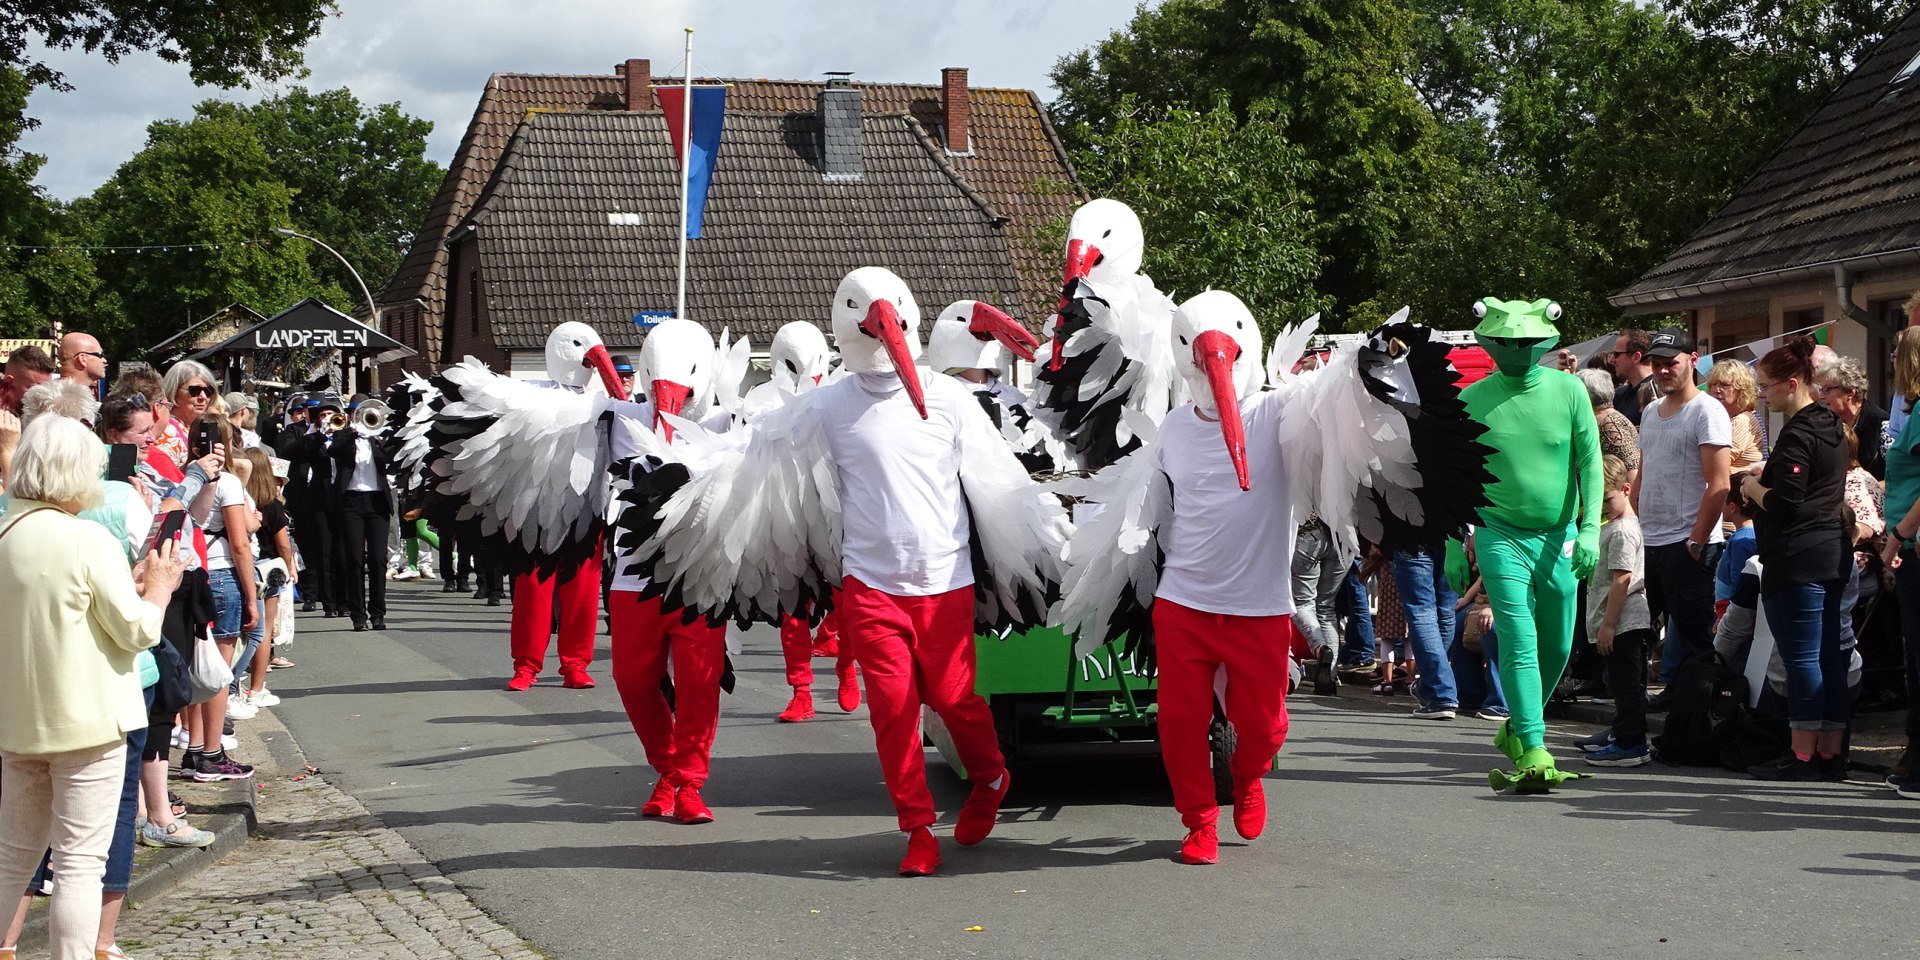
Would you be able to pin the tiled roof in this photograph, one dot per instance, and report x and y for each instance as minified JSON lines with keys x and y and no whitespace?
{"x":1844,"y":187}
{"x":1016,"y":162}
{"x":579,"y":224}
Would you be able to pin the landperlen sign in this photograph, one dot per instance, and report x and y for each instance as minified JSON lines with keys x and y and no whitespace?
{"x":310,"y":339}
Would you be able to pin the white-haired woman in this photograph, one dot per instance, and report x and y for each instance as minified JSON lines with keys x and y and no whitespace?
{"x":1617,"y":433}
{"x":69,"y":632}
{"x":191,"y":387}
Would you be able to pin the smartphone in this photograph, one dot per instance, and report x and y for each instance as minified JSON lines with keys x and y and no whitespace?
{"x":200,"y":440}
{"x":165,"y":526}
{"x":122,"y":460}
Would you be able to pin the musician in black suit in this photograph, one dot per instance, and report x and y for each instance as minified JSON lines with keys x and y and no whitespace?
{"x":314,"y":505}
{"x":360,"y":468}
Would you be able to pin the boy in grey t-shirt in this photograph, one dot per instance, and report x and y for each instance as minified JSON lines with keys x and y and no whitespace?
{"x":1620,"y":627}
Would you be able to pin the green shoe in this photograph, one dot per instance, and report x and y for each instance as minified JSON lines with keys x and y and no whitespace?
{"x":1507,"y":743}
{"x":1537,"y":774}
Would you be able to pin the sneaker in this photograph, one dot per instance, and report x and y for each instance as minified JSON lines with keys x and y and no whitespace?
{"x":798,"y":709}
{"x":238,"y":707}
{"x":1615,"y":755}
{"x":1596,"y":743}
{"x":522,"y":680}
{"x":1491,"y":714}
{"x":1898,"y":780}
{"x":1326,"y":680}
{"x":1832,"y":769}
{"x":1659,"y":702}
{"x":1202,"y":846}
{"x":1436,"y":712}
{"x":264,"y":698}
{"x":179,"y":833}
{"x":660,"y":801}
{"x":981,"y":811}
{"x":576,"y":679}
{"x":688,"y":807}
{"x":849,"y":694}
{"x":1249,"y":809}
{"x":1908,"y":790}
{"x":213,"y":771}
{"x":1787,"y":768}
{"x":923,"y":854}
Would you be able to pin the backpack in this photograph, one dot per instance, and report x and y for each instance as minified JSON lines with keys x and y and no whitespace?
{"x":1707,"y":709}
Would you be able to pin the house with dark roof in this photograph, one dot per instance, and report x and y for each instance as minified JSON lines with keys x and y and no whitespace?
{"x":561,"y":204}
{"x":1827,"y":229}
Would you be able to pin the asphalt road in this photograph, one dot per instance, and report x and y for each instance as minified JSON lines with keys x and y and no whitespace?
{"x":1384,"y":840}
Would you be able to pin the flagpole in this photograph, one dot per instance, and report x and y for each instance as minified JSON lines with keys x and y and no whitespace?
{"x":686,"y":165}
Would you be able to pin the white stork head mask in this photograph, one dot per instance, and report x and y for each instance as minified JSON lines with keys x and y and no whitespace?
{"x":800,"y":356}
{"x":677,"y":361}
{"x":575,"y":353}
{"x":1104,"y":242}
{"x":1216,"y":346}
{"x":877,"y":326}
{"x":974,"y":335}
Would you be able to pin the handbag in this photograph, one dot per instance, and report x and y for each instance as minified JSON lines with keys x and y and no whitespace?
{"x":211,"y":674}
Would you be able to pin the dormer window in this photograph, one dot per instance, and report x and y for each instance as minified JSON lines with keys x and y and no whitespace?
{"x":1907,"y":72}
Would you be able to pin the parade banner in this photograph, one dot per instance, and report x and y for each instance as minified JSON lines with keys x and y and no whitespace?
{"x":699,"y":148}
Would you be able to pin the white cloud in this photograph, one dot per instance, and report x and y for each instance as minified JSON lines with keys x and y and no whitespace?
{"x":434,"y":56}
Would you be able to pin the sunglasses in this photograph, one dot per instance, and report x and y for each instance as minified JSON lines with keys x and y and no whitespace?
{"x":90,"y":353}
{"x":199,"y":390}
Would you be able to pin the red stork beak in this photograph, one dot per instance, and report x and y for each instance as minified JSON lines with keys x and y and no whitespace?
{"x":883,"y":324}
{"x":818,"y":377}
{"x":601,"y":362}
{"x":669,"y":398}
{"x":1081,"y":256}
{"x":989,"y":323}
{"x":1214,"y":352}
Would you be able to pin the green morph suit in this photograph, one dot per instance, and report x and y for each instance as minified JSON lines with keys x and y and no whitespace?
{"x":1547,"y":463}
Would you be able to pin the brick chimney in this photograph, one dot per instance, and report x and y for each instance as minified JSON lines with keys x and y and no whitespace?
{"x":955,"y":110}
{"x":638,"y":75}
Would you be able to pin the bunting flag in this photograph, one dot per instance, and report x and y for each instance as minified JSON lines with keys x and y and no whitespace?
{"x":709,"y":111}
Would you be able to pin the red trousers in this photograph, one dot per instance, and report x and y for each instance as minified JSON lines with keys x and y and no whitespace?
{"x":916,"y":650}
{"x":678,"y":741}
{"x":1192,"y":647}
{"x":533,"y":601}
{"x":797,"y":643}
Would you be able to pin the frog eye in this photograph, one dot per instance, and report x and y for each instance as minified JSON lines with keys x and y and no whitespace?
{"x":1479,"y":309}
{"x":1553,"y":311}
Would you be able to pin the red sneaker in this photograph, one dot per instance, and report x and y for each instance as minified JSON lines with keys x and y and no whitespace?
{"x":522,"y":679}
{"x":799,"y":708}
{"x":981,"y":812}
{"x":1202,"y":846}
{"x":849,"y":688}
{"x":689,"y":808}
{"x":660,"y":801}
{"x":1250,"y":808}
{"x":923,"y":854}
{"x":576,"y":679}
{"x":829,"y":649}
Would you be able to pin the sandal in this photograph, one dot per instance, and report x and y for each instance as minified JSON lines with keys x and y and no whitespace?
{"x":279,"y":663}
{"x":177,"y":805}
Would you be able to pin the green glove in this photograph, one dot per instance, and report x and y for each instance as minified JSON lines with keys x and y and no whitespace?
{"x":1586,"y":551}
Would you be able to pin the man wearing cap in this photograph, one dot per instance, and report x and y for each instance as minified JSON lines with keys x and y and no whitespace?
{"x":310,"y":491}
{"x":623,"y":365}
{"x":296,"y":425}
{"x":1685,"y":462}
{"x":243,"y":411}
{"x":365,"y":499}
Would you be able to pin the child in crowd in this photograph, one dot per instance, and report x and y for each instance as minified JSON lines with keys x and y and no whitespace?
{"x":1619,"y":625}
{"x":1741,"y":545}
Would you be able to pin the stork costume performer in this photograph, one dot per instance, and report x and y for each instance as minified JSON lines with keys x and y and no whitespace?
{"x":1540,"y":534}
{"x":1193,"y":543}
{"x":961,"y":345}
{"x":801,"y":361}
{"x":681,"y":368}
{"x":884,"y":483}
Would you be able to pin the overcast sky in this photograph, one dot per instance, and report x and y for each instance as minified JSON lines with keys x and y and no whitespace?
{"x":433,"y":56}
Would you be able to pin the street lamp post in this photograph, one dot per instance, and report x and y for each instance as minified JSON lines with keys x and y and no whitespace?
{"x":373,"y":374}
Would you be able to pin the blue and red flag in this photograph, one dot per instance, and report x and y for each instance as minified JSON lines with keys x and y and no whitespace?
{"x":709,"y":111}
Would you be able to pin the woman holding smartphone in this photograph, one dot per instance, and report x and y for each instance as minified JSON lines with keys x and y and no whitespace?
{"x":229,"y":528}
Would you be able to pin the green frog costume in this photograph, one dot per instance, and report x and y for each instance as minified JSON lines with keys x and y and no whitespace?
{"x":1540,"y":535}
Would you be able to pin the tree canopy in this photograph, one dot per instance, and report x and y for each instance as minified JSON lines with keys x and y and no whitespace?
{"x":1450,"y":149}
{"x":222,"y":44}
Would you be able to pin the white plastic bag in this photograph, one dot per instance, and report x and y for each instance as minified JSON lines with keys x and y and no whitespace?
{"x":211,"y":673}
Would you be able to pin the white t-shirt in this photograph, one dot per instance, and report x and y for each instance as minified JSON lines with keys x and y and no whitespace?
{"x":1228,"y":550}
{"x":904,"y":517}
{"x":228,"y":491}
{"x":1671,"y":481}
{"x":622,"y":447}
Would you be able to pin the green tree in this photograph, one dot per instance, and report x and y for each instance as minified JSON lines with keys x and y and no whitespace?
{"x":221,"y":43}
{"x":359,"y":174}
{"x":1223,"y":204}
{"x":43,"y":278}
{"x":198,"y":204}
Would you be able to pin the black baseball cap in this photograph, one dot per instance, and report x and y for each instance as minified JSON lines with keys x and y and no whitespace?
{"x":1671,"y":342}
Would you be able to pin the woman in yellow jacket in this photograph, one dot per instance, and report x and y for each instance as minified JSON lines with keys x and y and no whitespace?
{"x":69,"y":631}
